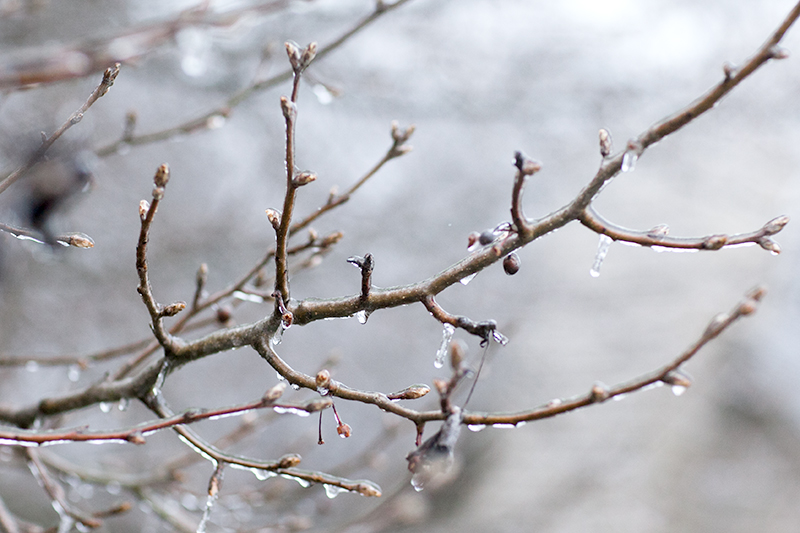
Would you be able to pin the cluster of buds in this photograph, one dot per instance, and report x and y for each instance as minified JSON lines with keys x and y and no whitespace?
{"x":300,"y":59}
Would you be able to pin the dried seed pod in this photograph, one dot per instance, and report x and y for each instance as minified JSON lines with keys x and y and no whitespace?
{"x":511,"y":264}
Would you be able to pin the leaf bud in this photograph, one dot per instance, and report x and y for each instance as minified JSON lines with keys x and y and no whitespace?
{"x":162,"y":176}
{"x":80,"y":240}
{"x":293,"y":51}
{"x":775,"y":225}
{"x":135,"y":438}
{"x":369,"y":490}
{"x":323,"y":379}
{"x":274,"y":393}
{"x":606,"y":144}
{"x":511,"y":264}
{"x":304,"y":178}
{"x":677,"y":378}
{"x":288,"y":108}
{"x":144,"y":208}
{"x":308,"y":56}
{"x":318,"y":404}
{"x":600,"y":392}
{"x":715,"y":242}
{"x":410,"y":393}
{"x":457,"y":353}
{"x":173,"y":309}
{"x":289,"y":460}
{"x":487,"y":237}
{"x":769,"y":245}
{"x":274,"y":218}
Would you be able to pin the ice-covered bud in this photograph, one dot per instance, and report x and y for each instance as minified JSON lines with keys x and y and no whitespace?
{"x":658,"y":232}
{"x":777,"y":52}
{"x":274,"y":218}
{"x":369,"y":490}
{"x":158,"y":193}
{"x":202,"y":274}
{"x":729,"y":70}
{"x":511,"y":264}
{"x":293,"y":51}
{"x":162,"y":176}
{"x":318,"y":404}
{"x":173,"y":309}
{"x":344,"y":430}
{"x":304,"y":178}
{"x":224,"y":313}
{"x":288,"y":108}
{"x":775,"y":225}
{"x":605,"y":143}
{"x":747,"y":307}
{"x":526,"y":166}
{"x":274,"y":393}
{"x":410,"y":393}
{"x":286,"y":319}
{"x":289,"y":460}
{"x":80,"y":240}
{"x":716,"y":325}
{"x":400,"y":136}
{"x":715,"y":242}
{"x":600,"y":392}
{"x":144,"y":208}
{"x":769,"y":245}
{"x":135,"y":438}
{"x":757,"y":293}
{"x":472,"y":239}
{"x":487,"y":237}
{"x":677,"y":378}
{"x":323,"y":379}
{"x":308,"y":56}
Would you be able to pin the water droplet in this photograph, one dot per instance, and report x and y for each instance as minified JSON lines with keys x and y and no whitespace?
{"x":660,"y":249}
{"x":262,"y":475}
{"x":277,"y":337}
{"x":499,"y":338}
{"x":195,"y":44}
{"x":74,"y":373}
{"x":602,"y":250}
{"x":629,"y":161}
{"x":113,"y":488}
{"x":215,"y":122}
{"x":300,"y":481}
{"x":447,"y":336}
{"x":280,"y":377}
{"x":619,"y":397}
{"x":332,"y":491}
{"x":504,"y":426}
{"x":476,"y":427}
{"x":466,"y":279}
{"x":323,"y":390}
{"x":295,"y":386}
{"x":677,"y":390}
{"x":26,"y":238}
{"x":555,"y":402}
{"x":323,"y":94}
{"x":105,"y":407}
{"x":123,"y":404}
{"x":418,"y":482}
{"x":32,"y":366}
{"x":362,"y":317}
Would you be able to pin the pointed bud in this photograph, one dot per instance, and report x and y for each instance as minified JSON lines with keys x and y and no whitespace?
{"x":323,"y":380}
{"x":776,"y":52}
{"x":600,"y":392}
{"x":202,"y":274}
{"x":369,"y":490}
{"x":162,"y":176}
{"x":288,"y":108}
{"x":658,"y":232}
{"x":274,"y":393}
{"x":775,"y":225}
{"x":144,"y":208}
{"x":274,"y":218}
{"x":410,"y":393}
{"x":293,"y":51}
{"x":605,"y":143}
{"x":457,"y":353}
{"x":308,"y":56}
{"x":318,"y":404}
{"x":173,"y":309}
{"x":304,"y":178}
{"x":715,"y":242}
{"x":80,"y":240}
{"x":716,"y":325}
{"x":770,"y":245}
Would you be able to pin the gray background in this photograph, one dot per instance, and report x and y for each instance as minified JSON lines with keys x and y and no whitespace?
{"x":479,"y":80}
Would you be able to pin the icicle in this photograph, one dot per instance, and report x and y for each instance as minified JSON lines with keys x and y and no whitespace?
{"x":447,"y":336}
{"x":602,"y":250}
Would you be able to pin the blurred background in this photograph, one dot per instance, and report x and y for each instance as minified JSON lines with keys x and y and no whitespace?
{"x":479,"y":80}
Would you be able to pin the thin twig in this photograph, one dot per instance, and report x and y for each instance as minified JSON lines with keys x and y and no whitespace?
{"x":109,"y":76}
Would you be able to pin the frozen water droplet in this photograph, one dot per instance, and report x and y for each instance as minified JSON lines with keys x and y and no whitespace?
{"x":74,"y":373}
{"x":504,"y":426}
{"x":113,"y":488}
{"x":323,"y":94}
{"x":323,"y":390}
{"x":466,"y":279}
{"x":247,"y":297}
{"x":26,"y":238}
{"x":619,"y":397}
{"x":555,"y":402}
{"x":105,"y":407}
{"x":32,"y":366}
{"x":290,"y":410}
{"x":300,"y":481}
{"x":660,"y":249}
{"x":602,"y":250}
{"x":629,"y":161}
{"x":215,"y":122}
{"x":280,"y":378}
{"x":362,"y":317}
{"x":332,"y":491}
{"x":277,"y":337}
{"x":447,"y":336}
{"x":677,"y":390}
{"x":499,"y":338}
{"x":476,"y":427}
{"x":123,"y":404}
{"x":295,"y":386}
{"x":418,"y":482}
{"x":262,"y":475}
